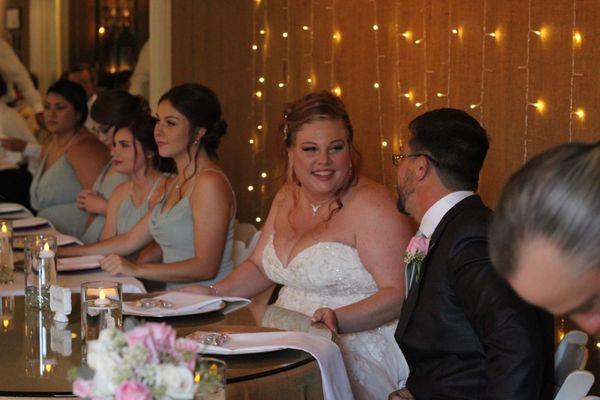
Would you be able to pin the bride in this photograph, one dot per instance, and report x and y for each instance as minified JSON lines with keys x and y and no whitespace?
{"x":335,"y":241}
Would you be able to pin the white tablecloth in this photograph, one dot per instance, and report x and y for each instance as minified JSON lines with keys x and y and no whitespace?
{"x":73,"y":281}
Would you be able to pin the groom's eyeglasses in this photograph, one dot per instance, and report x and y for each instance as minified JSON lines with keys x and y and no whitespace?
{"x":396,"y":158}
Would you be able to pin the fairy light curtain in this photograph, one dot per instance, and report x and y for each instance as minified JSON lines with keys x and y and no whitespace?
{"x":527,"y":71}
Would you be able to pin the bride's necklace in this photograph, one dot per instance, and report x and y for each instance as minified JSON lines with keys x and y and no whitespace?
{"x":314,"y":207}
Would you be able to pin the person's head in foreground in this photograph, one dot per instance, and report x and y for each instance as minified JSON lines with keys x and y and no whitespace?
{"x":545,"y":238}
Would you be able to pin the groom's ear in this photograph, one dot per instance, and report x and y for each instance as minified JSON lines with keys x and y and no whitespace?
{"x":422,"y":167}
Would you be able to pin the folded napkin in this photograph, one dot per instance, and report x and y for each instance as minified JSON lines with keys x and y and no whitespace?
{"x":78,"y":263}
{"x":8,"y":208}
{"x":183,"y":303}
{"x":333,"y":372}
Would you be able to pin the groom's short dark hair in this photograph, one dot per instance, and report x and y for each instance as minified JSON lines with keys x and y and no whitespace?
{"x":455,"y":141}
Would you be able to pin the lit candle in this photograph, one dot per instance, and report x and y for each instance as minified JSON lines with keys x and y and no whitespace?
{"x":46,"y":252}
{"x":4,"y":231}
{"x":101,"y":301}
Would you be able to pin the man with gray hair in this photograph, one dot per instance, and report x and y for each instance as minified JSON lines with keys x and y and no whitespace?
{"x":545,"y":236}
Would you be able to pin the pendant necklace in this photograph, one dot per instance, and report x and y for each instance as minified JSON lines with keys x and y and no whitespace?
{"x":315,"y":207}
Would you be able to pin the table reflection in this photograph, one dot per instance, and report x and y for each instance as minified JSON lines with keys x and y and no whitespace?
{"x":7,"y":310}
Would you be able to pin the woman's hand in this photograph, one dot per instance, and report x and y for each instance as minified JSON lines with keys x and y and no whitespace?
{"x":114,"y":264}
{"x":402,"y":394}
{"x":87,"y":200}
{"x":326,"y":316}
{"x":13,"y":144}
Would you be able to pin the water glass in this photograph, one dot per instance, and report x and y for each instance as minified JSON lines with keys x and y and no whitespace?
{"x":101,"y":308}
{"x":40,"y":269}
{"x":210,"y":378}
{"x":7,"y":267}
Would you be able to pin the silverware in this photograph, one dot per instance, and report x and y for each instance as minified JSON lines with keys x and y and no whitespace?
{"x":209,"y":338}
{"x":150,"y":302}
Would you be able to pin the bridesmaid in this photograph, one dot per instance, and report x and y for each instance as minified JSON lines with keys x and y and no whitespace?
{"x":135,"y":154}
{"x":71,"y":160}
{"x":193,"y":223}
{"x":112,"y":108}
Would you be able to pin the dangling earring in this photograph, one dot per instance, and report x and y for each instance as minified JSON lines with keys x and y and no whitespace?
{"x":196,"y":142}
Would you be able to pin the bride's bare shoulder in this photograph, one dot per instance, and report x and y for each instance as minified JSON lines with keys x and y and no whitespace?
{"x":369,"y":193}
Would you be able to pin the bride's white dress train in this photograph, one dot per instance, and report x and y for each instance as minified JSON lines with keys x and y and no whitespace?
{"x":330,"y":274}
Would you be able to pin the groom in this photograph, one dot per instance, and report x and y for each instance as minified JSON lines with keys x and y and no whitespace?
{"x":463,"y":331}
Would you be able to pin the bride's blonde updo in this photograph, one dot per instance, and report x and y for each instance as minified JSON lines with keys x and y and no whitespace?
{"x":318,"y":107}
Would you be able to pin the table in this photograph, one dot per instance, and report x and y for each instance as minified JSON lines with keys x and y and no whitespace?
{"x":37,"y":355}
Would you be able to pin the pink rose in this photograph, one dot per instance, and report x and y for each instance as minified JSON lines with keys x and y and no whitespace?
{"x":418,"y":244}
{"x":133,"y":390}
{"x":163,"y":336}
{"x":82,"y":388}
{"x":142,"y":335}
{"x":187,"y":348}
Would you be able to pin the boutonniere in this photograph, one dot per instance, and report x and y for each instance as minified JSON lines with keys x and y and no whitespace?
{"x":415,"y":254}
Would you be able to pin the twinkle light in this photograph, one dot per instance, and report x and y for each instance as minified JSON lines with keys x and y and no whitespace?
{"x":384,"y":143}
{"x":580,"y":113}
{"x":309,"y":80}
{"x":408,"y":95}
{"x":540,"y":105}
{"x":250,"y":188}
{"x":455,"y":31}
{"x":254,"y":47}
{"x":598,"y":345}
{"x":474,"y":106}
{"x":337,"y":91}
{"x":261,"y":79}
{"x":259,"y":127}
{"x":305,"y":27}
{"x":376,"y":85}
{"x":101,"y":30}
{"x":577,"y":38}
{"x":262,"y":32}
{"x":251,"y":141}
{"x":418,"y":104}
{"x":258,"y":94}
{"x":542,"y":32}
{"x":281,"y":84}
{"x":263,"y":175}
{"x":418,"y":41}
{"x":284,"y":34}
{"x":407,"y":35}
{"x":375,"y":27}
{"x":73,"y":335}
{"x":491,"y":34}
{"x":337,"y":37}
{"x":440,"y":94}
{"x":5,"y":323}
{"x":258,"y":219}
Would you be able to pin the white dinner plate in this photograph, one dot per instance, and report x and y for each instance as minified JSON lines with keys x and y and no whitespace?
{"x":158,"y":313}
{"x":32,"y":222}
{"x":6,"y":208}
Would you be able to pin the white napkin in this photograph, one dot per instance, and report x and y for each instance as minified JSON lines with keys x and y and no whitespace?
{"x":30,"y":222}
{"x":333,"y":372}
{"x":186,"y":304}
{"x":78,"y":263}
{"x":11,"y":208}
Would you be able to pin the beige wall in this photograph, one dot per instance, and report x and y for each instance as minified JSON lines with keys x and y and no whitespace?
{"x":212,"y":43}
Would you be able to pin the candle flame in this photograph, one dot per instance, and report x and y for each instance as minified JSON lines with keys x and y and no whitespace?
{"x":46,"y":247}
{"x":102,"y":295}
{"x":4,"y":228}
{"x":5,"y":323}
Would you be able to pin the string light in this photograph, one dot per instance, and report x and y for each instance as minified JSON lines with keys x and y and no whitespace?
{"x":259,"y":127}
{"x":262,"y":31}
{"x":263,"y":175}
{"x":407,"y":35}
{"x":261,"y":79}
{"x":409,"y":95}
{"x":250,"y":188}
{"x":281,"y":84}
{"x":258,"y":94}
{"x":580,"y":113}
{"x":309,"y":80}
{"x":305,"y":28}
{"x":254,"y":47}
{"x":284,"y":34}
{"x":258,"y":219}
{"x":384,"y":143}
{"x":375,"y":27}
{"x":474,"y":106}
{"x":418,"y":104}
{"x":337,"y":37}
{"x":577,"y":38}
{"x":376,"y":85}
{"x":101,"y":30}
{"x":251,"y":141}
{"x":455,"y":31}
{"x":440,"y":94}
{"x":540,"y":105}
{"x":418,"y":41}
{"x":337,"y":91}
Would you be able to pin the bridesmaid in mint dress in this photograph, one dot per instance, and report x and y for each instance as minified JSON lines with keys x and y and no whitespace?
{"x":71,"y":160}
{"x":112,"y":108}
{"x":193,"y":221}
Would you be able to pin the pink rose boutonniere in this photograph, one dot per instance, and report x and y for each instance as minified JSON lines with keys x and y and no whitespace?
{"x":415,"y":254}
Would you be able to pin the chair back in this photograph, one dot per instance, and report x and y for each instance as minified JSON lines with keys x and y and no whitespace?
{"x":244,"y":232}
{"x":576,"y":386}
{"x":571,"y":355}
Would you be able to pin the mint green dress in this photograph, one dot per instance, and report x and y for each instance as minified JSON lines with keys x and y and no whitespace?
{"x":128,"y":214}
{"x":173,"y":230}
{"x":104,"y":186}
{"x":53,"y":194}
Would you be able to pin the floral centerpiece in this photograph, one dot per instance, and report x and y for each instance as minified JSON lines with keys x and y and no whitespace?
{"x":145,"y":363}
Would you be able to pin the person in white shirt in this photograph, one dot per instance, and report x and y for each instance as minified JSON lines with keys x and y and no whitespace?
{"x":15,"y":73}
{"x":141,"y":74}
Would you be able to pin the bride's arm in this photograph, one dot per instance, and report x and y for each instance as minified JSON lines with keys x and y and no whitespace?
{"x":382,"y":235}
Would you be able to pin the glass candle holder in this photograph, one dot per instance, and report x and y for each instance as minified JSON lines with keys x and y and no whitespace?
{"x":40,"y":361}
{"x":7,"y":267}
{"x":40,"y":269}
{"x":101,"y":308}
{"x":210,"y":379}
{"x":7,"y":311}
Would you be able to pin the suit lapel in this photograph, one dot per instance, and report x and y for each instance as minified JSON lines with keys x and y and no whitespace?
{"x":413,"y":295}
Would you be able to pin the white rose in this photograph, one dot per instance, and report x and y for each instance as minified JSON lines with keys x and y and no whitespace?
{"x":178,"y":381}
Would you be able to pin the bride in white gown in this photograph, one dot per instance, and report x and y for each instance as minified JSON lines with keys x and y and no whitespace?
{"x":335,"y":241}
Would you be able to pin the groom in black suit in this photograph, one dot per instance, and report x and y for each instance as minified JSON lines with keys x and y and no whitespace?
{"x":463,"y":331}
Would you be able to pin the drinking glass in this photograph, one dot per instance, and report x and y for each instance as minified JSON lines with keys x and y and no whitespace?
{"x":210,"y":378}
{"x":40,"y":269}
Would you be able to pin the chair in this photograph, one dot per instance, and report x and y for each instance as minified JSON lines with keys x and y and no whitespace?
{"x":576,"y":386}
{"x":244,"y":232}
{"x":571,"y":355}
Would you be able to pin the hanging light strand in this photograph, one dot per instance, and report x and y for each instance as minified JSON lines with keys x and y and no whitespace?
{"x":376,"y":86}
{"x":576,"y":41}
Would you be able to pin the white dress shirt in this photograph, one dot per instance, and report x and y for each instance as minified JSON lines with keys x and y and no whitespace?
{"x":436,"y":212}
{"x":13,"y":125}
{"x":14,"y":72}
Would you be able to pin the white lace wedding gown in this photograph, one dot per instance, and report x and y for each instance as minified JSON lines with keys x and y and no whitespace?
{"x":330,"y":274}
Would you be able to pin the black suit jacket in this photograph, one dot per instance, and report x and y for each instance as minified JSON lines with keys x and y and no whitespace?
{"x":464,"y":332}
